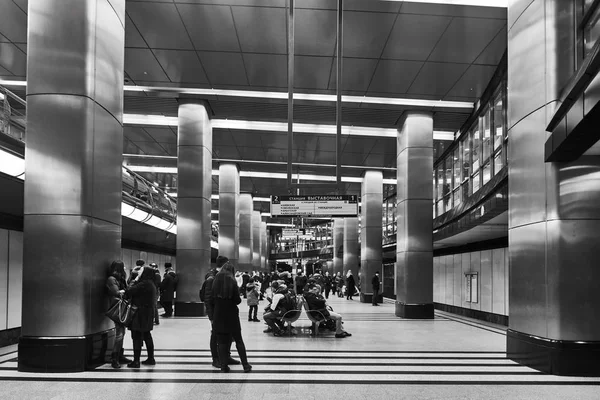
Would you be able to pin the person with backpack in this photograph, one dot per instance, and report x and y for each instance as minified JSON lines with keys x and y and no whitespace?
{"x":252,"y":295}
{"x":283,"y":301}
{"x":206,"y":296}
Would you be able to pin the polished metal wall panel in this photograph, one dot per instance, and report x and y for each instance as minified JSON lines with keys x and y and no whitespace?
{"x":370,"y":244}
{"x":527,"y":63}
{"x":264,"y":246}
{"x":527,"y":171}
{"x":449,"y":272}
{"x":4,"y":260}
{"x":193,"y":223}
{"x":411,"y":184}
{"x":415,"y":225}
{"x":415,"y":277}
{"x":372,"y":183}
{"x":415,"y":130}
{"x":15,"y":279}
{"x":82,"y":59}
{"x":193,"y":121}
{"x":371,"y":227}
{"x":350,"y":259}
{"x":256,"y":239}
{"x":229,"y":178}
{"x":458,"y":261}
{"x":229,"y":232}
{"x":338,"y":243}
{"x":193,"y":162}
{"x":527,"y":279}
{"x":191,"y":279}
{"x":467,"y":266}
{"x":572,"y":277}
{"x":64,"y":274}
{"x":578,"y":189}
{"x":515,"y":9}
{"x":372,"y":209}
{"x":499,"y":281}
{"x":77,"y":171}
{"x":476,"y":267}
{"x":245,"y":243}
{"x":438,"y":280}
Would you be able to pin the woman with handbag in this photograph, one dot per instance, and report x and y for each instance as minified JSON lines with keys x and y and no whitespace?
{"x":142,"y":292}
{"x":116,"y":287}
{"x":226,"y":317}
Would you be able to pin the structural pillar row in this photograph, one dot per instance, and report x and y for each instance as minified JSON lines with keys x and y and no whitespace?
{"x":264,"y":247}
{"x":255,"y":240}
{"x":194,"y":172}
{"x":72,"y":208}
{"x":414,"y":243}
{"x":370,"y":233}
{"x":246,"y":248}
{"x":229,"y":226}
{"x":338,"y":246}
{"x":350,"y":257}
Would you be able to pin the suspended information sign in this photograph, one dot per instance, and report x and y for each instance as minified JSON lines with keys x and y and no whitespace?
{"x":317,"y":206}
{"x":296,"y":234}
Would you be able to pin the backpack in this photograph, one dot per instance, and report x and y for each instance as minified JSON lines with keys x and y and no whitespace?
{"x":202,"y":292}
{"x":289,"y":302}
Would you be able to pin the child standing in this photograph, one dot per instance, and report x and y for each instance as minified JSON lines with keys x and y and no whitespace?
{"x":252,"y":294}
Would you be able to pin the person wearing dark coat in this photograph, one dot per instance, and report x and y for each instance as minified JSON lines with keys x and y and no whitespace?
{"x":116,"y":285}
{"x":376,"y":285}
{"x":226,"y":317}
{"x":327,"y":284}
{"x":154,"y":266}
{"x":167,"y":290}
{"x":142,"y":292}
{"x":350,"y":285}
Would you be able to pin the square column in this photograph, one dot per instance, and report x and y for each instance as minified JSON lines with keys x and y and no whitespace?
{"x":229,"y":226}
{"x":370,"y":233}
{"x":338,"y":246}
{"x":246,"y":248}
{"x":256,"y":240}
{"x":350,"y":257}
{"x":72,"y":210}
{"x":414,"y":245}
{"x":194,"y":171}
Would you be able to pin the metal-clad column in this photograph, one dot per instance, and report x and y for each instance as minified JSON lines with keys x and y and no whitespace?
{"x":256,"y":240}
{"x":229,"y":226}
{"x":338,"y":245}
{"x":370,"y":232}
{"x":194,"y":172}
{"x":554,"y":212}
{"x":264,"y":247}
{"x":414,"y":245}
{"x":245,"y":244}
{"x":72,"y":215}
{"x":350,"y":260}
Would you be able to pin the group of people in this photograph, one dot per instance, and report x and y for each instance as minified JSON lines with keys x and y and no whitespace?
{"x":142,"y":289}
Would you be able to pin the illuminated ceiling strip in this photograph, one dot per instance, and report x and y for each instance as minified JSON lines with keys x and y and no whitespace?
{"x":283,"y":96}
{"x":282,"y":225}
{"x":139,"y":119}
{"x":259,"y":174}
{"x":479,"y":3}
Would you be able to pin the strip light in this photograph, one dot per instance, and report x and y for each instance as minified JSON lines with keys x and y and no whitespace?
{"x":265,"y":126}
{"x":478,"y":3}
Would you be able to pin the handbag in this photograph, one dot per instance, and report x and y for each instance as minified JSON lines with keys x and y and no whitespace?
{"x":122,"y":312}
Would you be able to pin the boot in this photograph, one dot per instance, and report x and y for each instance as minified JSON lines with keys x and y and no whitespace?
{"x":136,"y":359}
{"x":122,"y":358}
{"x":115,"y":361}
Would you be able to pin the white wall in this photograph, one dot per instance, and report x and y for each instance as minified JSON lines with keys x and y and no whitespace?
{"x":449,"y":282}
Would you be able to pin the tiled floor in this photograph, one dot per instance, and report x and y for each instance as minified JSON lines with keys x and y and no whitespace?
{"x":386,"y":358}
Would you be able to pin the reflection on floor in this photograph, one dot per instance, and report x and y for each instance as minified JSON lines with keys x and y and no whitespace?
{"x":386,"y":358}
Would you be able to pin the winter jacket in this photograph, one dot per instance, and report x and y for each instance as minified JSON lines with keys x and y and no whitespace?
{"x":168,"y":286}
{"x":142,"y":294}
{"x":252,"y":294}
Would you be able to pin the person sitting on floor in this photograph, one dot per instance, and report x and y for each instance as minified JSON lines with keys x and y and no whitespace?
{"x":280,"y":304}
{"x":315,"y":301}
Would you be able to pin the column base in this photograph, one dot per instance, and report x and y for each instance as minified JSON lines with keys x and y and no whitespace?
{"x":64,"y":354}
{"x":368,"y":298}
{"x":414,"y":311}
{"x":557,"y":357}
{"x":189,"y":309}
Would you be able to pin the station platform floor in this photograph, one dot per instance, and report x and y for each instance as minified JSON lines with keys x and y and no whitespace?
{"x":386,"y":357}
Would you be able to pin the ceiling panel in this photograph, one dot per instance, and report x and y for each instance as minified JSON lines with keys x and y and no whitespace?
{"x":357,"y":73}
{"x":266,"y":69}
{"x":258,"y":36}
{"x":211,"y":27}
{"x":393,"y":76}
{"x":465,"y":39}
{"x":130,"y":148}
{"x":3,"y":39}
{"x":373,"y":6}
{"x":153,"y":105}
{"x":152,"y":148}
{"x":365,"y":33}
{"x":171,"y":148}
{"x":181,"y":66}
{"x":247,"y":138}
{"x":276,"y":154}
{"x":13,"y":59}
{"x":495,"y":50}
{"x":160,"y":25}
{"x":136,"y":134}
{"x":384,"y":145}
{"x":222,"y":137}
{"x":276,"y":140}
{"x":132,"y":35}
{"x":311,"y":72}
{"x":13,"y":22}
{"x":473,"y":82}
{"x":454,"y":10}
{"x":376,"y":160}
{"x":140,"y":64}
{"x":315,"y":32}
{"x":449,"y":121}
{"x":349,"y":158}
{"x":223,"y":68}
{"x":359,"y":145}
{"x":222,"y":151}
{"x":415,"y":36}
{"x":437,"y":78}
{"x":162,"y":135}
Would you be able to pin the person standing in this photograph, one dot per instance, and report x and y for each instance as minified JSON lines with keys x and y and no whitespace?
{"x":252,"y":295}
{"x":210,"y":311}
{"x":167,"y":290}
{"x":339,"y":284}
{"x":226,"y":317}
{"x":116,"y":286}
{"x":327,"y":282}
{"x":142,"y":292}
{"x":154,"y":266}
{"x":376,"y":285}
{"x":350,"y":285}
